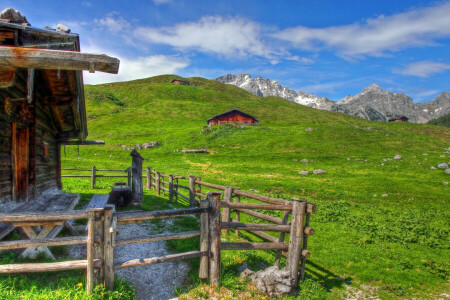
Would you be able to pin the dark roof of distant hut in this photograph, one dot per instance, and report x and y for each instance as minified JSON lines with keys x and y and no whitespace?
{"x":399,"y":118}
{"x":179,"y":81}
{"x":231,"y":111}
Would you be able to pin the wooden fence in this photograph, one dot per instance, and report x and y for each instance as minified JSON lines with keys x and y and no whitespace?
{"x":94,"y":175}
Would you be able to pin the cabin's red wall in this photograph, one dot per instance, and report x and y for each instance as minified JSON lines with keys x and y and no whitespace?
{"x":231,"y":118}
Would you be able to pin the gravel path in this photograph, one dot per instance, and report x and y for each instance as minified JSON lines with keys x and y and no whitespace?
{"x":150,"y":282}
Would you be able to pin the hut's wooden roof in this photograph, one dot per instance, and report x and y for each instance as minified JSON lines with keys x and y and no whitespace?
{"x":230,"y":111}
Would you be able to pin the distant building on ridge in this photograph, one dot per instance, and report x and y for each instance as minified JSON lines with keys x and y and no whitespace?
{"x":179,"y":81}
{"x":399,"y":119}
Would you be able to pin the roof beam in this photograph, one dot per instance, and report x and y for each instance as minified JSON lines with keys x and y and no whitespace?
{"x":21,"y":57}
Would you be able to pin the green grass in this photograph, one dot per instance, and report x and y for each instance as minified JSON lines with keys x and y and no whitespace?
{"x":392,"y":246}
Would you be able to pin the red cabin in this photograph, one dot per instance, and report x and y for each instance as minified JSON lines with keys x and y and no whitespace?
{"x":178,"y":81}
{"x":400,"y":119}
{"x":232,"y":116}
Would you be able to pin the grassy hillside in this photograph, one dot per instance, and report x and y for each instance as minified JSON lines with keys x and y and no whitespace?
{"x":396,"y":244}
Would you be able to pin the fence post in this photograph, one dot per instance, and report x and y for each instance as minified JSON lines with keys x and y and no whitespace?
{"x":295,"y":240}
{"x":176,"y":195}
{"x":214,"y":238}
{"x":95,"y":247}
{"x":108,"y":266}
{"x":282,"y":236}
{"x":204,"y":240}
{"x":149,"y":174}
{"x":129,"y":176}
{"x":93,"y":177}
{"x":238,"y":213}
{"x":199,"y":188}
{"x":170,"y":188}
{"x":309,"y":209}
{"x":226,"y":210}
{"x":158,"y":179}
{"x":191,"y":190}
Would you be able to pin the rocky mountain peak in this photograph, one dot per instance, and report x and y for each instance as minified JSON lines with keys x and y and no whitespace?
{"x":373,"y":88}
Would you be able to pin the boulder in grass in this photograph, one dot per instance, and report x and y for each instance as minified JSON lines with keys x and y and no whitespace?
{"x":433,"y":168}
{"x":447,"y":171}
{"x":319,"y":172}
{"x":397,"y":157}
{"x":273,"y":281}
{"x":443,"y":166}
{"x":304,"y":160}
{"x":304,"y":173}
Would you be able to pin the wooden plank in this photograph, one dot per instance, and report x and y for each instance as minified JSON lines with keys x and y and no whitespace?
{"x":260,"y":197}
{"x":254,"y":246}
{"x":264,"y":235}
{"x":226,"y":210}
{"x":212,"y":185}
{"x":90,"y":280}
{"x":214,"y":238}
{"x":181,"y":195}
{"x":308,"y":231}
{"x":257,"y":206}
{"x":281,"y":238}
{"x":204,"y":241}
{"x":260,"y":216}
{"x":43,"y":267}
{"x":98,"y":201}
{"x":47,"y":242}
{"x":261,"y":227}
{"x":108,"y":266}
{"x":182,"y":186}
{"x":43,"y":216}
{"x":191,"y":190}
{"x":124,"y":217}
{"x":159,"y":237}
{"x":295,"y":240}
{"x":157,"y":260}
{"x":57,"y":60}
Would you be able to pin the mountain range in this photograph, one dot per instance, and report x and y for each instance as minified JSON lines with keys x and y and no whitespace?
{"x":372,"y":103}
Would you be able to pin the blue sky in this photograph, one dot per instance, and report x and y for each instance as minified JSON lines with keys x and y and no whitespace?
{"x":328,"y":48}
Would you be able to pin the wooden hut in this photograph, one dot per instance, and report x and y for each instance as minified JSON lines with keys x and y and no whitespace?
{"x":179,"y":81}
{"x":232,"y":116}
{"x":42,"y":103}
{"x":399,"y":119}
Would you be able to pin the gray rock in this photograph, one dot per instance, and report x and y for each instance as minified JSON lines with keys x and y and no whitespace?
{"x":63,"y":28}
{"x":294,"y":159}
{"x":433,"y":168}
{"x":273,"y":281}
{"x":304,"y":160}
{"x":150,"y":145}
{"x":375,"y":195}
{"x":348,"y":158}
{"x":384,"y":195}
{"x":304,"y":173}
{"x":397,"y":157}
{"x":445,"y":183}
{"x":447,"y":171}
{"x":443,"y":166}
{"x":308,"y":129}
{"x":319,"y":172}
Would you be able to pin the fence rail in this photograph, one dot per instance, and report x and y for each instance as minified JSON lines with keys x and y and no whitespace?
{"x":94,"y":174}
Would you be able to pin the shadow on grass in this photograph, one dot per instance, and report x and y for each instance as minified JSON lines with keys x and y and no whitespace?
{"x":324,"y":276}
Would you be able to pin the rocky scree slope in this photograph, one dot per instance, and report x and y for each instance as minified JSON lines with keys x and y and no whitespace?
{"x":372,"y":103}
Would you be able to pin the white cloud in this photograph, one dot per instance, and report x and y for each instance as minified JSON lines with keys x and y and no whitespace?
{"x":114,"y":23}
{"x":419,"y":27}
{"x":135,"y":68}
{"x":423,"y":69}
{"x":211,"y":34}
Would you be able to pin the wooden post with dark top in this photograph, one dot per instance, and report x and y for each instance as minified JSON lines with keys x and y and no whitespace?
{"x":282,"y":236}
{"x":158,"y":182}
{"x":93,"y":177}
{"x":108,"y":266}
{"x":137,"y":185}
{"x":171,"y":188}
{"x":204,"y":241}
{"x":296,"y":240}
{"x":191,"y":190}
{"x":214,"y":238}
{"x":226,"y":210}
{"x":149,"y":177}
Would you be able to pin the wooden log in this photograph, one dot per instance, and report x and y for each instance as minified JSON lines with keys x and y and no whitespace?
{"x":191,"y":190}
{"x":43,"y":216}
{"x":43,"y":267}
{"x":199,"y":191}
{"x":194,"y":150}
{"x":164,"y":182}
{"x":148,"y":175}
{"x":252,"y":226}
{"x":262,"y":198}
{"x":310,"y":207}
{"x":112,"y":176}
{"x":182,"y":186}
{"x":254,"y":246}
{"x":70,"y":228}
{"x":108,"y":248}
{"x":159,"y":237}
{"x":212,"y":185}
{"x":296,"y":240}
{"x":214,"y":238}
{"x":164,"y":189}
{"x":182,"y":196}
{"x":308,"y":231}
{"x":45,"y":59}
{"x":284,"y":221}
{"x":260,"y":216}
{"x":171,"y":188}
{"x":93,"y":177}
{"x":180,"y":177}
{"x":226,"y":210}
{"x":98,"y":251}
{"x":67,"y":169}
{"x":92,"y":142}
{"x":158,"y":183}
{"x":200,"y":195}
{"x":127,"y":217}
{"x":238,"y":214}
{"x":90,"y":280}
{"x":204,"y":241}
{"x":257,"y":206}
{"x":157,"y":260}
{"x":264,"y":235}
{"x":129,"y":175}
{"x":47,"y":242}
{"x":176,"y":192}
{"x":81,"y":176}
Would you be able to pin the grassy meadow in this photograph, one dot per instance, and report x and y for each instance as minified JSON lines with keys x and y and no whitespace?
{"x":381,"y":225}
